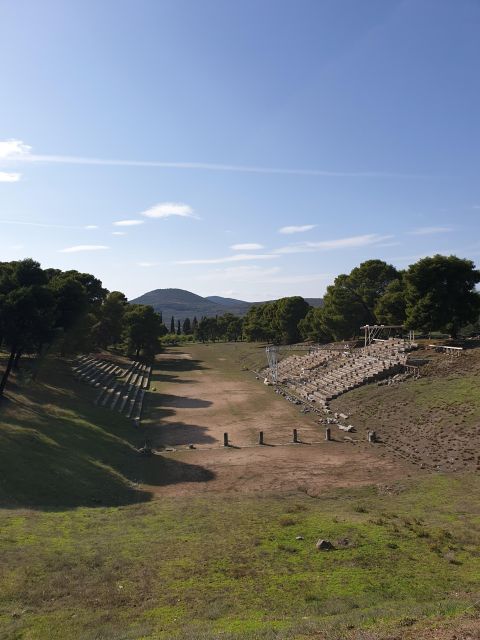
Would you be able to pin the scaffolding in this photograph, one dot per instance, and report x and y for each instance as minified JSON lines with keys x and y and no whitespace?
{"x":374,"y":332}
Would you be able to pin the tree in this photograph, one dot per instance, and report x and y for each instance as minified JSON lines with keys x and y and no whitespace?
{"x":172,"y":325}
{"x":179,"y":328}
{"x":143,"y":329}
{"x":351,"y":301}
{"x":187,"y":327}
{"x":109,"y":328}
{"x":391,"y":307}
{"x":312,"y":326}
{"x":27,"y":314}
{"x":440,"y":294}
{"x":287,"y":314}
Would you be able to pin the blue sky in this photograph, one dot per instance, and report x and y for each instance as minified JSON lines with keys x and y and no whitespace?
{"x":256,"y":149}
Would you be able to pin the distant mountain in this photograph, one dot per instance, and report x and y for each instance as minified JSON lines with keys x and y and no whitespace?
{"x":183,"y":304}
{"x":228,"y":302}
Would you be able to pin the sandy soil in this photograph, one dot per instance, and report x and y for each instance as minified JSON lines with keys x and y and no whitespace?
{"x":196,"y":400}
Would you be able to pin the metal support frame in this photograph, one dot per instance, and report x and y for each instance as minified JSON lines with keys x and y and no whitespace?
{"x":373,"y":331}
{"x":272,"y":357}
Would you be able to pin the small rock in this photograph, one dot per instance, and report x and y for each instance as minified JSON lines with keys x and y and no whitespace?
{"x":191,"y":446}
{"x":324,"y":545}
{"x":299,"y":538}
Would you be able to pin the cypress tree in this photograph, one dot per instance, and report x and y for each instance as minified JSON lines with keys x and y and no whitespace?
{"x":172,"y":325}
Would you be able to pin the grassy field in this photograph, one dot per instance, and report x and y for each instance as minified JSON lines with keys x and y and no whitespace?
{"x":434,"y":421}
{"x":85,"y":554}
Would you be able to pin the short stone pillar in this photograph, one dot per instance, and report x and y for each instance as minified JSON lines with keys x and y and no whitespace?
{"x":295,"y":435}
{"x":225,"y":439}
{"x":372,"y":436}
{"x":328,"y":434}
{"x":260,"y":437}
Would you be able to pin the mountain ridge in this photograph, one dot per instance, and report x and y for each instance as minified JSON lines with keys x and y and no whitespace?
{"x":182,"y":304}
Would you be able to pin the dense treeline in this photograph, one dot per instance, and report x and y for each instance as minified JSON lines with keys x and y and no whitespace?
{"x":72,"y":312}
{"x":44,"y":309}
{"x":434,"y":294}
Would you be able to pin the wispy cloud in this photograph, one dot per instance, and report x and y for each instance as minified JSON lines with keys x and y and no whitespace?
{"x":427,"y":231}
{"x":83,"y":247}
{"x":239,"y":257}
{"x":297,"y":229}
{"x":9,"y":177}
{"x":168,"y":209}
{"x":147,"y":264}
{"x":247,"y":246}
{"x":329,"y":245}
{"x":19,"y":151}
{"x":91,"y":226}
{"x":119,"y":233}
{"x":128,"y":223}
{"x":45,"y":225}
{"x":260,"y":275}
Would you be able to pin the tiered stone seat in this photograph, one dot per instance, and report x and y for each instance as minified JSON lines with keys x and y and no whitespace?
{"x":317,"y":378}
{"x":127,"y":395}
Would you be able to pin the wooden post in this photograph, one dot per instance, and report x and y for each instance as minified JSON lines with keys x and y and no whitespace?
{"x":295,"y":435}
{"x":260,"y":437}
{"x":328,"y":434}
{"x":225,"y":439}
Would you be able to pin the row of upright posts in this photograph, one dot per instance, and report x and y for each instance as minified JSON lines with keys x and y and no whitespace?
{"x":328,"y":437}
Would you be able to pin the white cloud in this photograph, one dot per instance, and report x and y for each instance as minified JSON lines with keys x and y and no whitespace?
{"x":119,"y":233}
{"x":147,"y":264}
{"x":239,"y":257}
{"x":128,"y":223}
{"x":426,"y":231}
{"x":83,"y":247}
{"x":247,"y":246}
{"x":18,"y":150}
{"x":168,"y":209}
{"x":13,"y":149}
{"x":9,"y":177}
{"x":297,"y":229}
{"x":340,"y":243}
{"x":91,"y":226}
{"x":260,"y":275}
{"x":46,"y":225}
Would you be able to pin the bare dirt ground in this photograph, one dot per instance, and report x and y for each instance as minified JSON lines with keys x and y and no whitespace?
{"x":433,"y":422}
{"x":200,"y":392}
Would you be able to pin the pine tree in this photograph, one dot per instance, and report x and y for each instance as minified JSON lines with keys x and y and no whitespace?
{"x":172,"y":325}
{"x":187,"y":326}
{"x":195,"y":324}
{"x":179,"y":329}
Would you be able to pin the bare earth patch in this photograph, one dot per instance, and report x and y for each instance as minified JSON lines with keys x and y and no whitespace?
{"x":199,"y":396}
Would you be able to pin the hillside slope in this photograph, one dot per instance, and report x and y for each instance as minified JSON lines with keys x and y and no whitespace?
{"x":184,"y":304}
{"x":434,"y":421}
{"x":57,"y":449}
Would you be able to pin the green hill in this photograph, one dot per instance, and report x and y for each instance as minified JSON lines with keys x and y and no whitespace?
{"x":183,"y":304}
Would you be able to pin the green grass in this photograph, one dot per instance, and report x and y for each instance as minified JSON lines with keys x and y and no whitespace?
{"x":202,"y":566}
{"x":85,"y":555}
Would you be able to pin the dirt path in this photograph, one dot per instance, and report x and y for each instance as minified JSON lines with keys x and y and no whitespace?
{"x":200,"y":393}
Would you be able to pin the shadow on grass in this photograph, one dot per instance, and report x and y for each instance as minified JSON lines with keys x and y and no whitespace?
{"x":57,"y":450}
{"x":176,"y":434}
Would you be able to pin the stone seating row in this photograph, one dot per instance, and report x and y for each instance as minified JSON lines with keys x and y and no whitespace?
{"x":345,"y":373}
{"x":127,"y":395}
